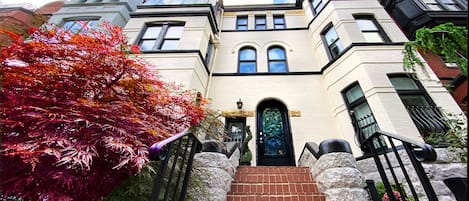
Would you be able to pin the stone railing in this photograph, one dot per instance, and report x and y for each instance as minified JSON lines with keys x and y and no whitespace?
{"x":335,"y":170}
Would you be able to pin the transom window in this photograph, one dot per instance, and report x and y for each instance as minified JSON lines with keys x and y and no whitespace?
{"x":260,"y":22}
{"x":370,"y":29}
{"x":317,"y":6}
{"x":247,"y":60}
{"x":76,"y":26}
{"x":242,"y":23}
{"x":277,"y":59}
{"x":161,"y":37}
{"x":279,"y":22}
{"x":334,"y":45}
{"x":438,"y":5}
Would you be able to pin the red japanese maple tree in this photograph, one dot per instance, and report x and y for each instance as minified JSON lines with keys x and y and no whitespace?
{"x":79,"y":112}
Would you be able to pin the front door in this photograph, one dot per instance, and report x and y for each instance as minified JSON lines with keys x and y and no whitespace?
{"x":274,"y":141}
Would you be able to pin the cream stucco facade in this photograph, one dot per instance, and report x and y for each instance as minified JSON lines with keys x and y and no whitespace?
{"x":313,"y":83}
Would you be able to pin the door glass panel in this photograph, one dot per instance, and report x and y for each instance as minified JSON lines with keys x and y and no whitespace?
{"x":272,"y":124}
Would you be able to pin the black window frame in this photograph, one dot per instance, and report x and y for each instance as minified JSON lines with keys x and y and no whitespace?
{"x":269,"y":60}
{"x":260,"y":22}
{"x":443,"y":6}
{"x":161,"y":38}
{"x":78,"y":20}
{"x":209,"y":52}
{"x":427,"y":117}
{"x":379,"y":28}
{"x":369,"y":128}
{"x":239,"y":24}
{"x":247,"y":61}
{"x":318,"y":8}
{"x":328,"y":46}
{"x":283,"y":24}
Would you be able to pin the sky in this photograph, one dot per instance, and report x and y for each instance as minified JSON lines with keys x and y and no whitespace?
{"x":39,"y":3}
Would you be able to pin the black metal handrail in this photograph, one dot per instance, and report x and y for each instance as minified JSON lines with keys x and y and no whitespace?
{"x":176,"y":154}
{"x":428,"y":119}
{"x":416,"y":151}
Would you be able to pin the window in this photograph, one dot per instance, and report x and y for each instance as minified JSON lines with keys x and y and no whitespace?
{"x":247,"y":60}
{"x":419,"y":105}
{"x":161,"y":37}
{"x":316,"y":6}
{"x":76,"y":26}
{"x":370,"y":29}
{"x":277,"y":59}
{"x":363,"y":119}
{"x":260,"y":22}
{"x":279,"y":22}
{"x":438,"y":5}
{"x":208,"y":54}
{"x":242,"y":23}
{"x":332,"y":41}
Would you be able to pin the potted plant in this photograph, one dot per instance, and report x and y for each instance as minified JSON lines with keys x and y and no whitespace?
{"x":246,"y":157}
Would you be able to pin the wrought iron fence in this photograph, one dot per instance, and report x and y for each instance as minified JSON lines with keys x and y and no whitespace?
{"x":428,"y":119}
{"x":176,"y":154}
{"x":415,"y":152}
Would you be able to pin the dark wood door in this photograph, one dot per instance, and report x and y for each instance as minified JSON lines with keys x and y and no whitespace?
{"x":274,"y":141}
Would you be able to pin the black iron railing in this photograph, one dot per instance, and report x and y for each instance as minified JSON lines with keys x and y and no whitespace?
{"x":176,"y":154}
{"x":415,"y":152}
{"x":428,"y":119}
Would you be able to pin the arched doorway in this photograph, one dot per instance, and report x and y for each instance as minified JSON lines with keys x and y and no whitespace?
{"x":274,"y":140}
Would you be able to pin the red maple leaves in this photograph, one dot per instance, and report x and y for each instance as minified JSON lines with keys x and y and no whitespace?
{"x":78,"y":113}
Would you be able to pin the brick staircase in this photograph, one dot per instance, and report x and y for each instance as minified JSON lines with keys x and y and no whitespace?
{"x":271,"y":183}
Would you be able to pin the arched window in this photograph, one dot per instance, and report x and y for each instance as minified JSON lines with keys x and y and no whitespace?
{"x":247,"y":60}
{"x":277,"y":59}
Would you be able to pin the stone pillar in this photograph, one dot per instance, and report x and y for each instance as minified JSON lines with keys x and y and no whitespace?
{"x":336,"y":173}
{"x":211,"y":177}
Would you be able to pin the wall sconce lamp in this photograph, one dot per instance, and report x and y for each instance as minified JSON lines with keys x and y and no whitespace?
{"x":239,"y":104}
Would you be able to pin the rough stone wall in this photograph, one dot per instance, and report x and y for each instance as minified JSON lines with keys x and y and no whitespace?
{"x":444,"y":167}
{"x":211,"y":177}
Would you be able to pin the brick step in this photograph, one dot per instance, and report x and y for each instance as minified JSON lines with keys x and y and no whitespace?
{"x":269,"y":183}
{"x":292,"y":197}
{"x":272,"y":170}
{"x":272,"y":178}
{"x":273,"y":188}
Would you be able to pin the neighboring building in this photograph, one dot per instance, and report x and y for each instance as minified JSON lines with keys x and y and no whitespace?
{"x":93,"y":12}
{"x":19,"y":18}
{"x":410,"y":15}
{"x":305,"y":71}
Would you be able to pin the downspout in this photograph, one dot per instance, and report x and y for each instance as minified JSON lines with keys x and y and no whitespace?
{"x":216,"y":43}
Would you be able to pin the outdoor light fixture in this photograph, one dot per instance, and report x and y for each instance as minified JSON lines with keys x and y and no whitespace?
{"x":239,"y":104}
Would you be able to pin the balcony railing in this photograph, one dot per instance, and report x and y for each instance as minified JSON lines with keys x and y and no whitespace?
{"x":428,"y":119}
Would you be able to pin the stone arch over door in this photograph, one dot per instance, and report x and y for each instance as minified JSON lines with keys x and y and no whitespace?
{"x":273,"y":135}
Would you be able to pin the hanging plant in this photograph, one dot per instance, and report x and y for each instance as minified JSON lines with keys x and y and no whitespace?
{"x":445,"y":39}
